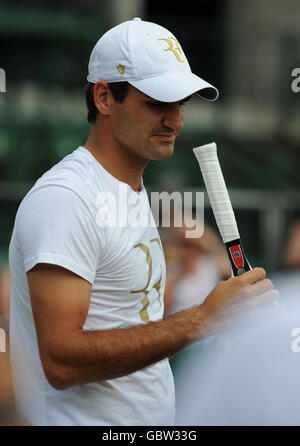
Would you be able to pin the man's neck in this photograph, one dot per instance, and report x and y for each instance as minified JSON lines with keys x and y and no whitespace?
{"x":116,"y":161}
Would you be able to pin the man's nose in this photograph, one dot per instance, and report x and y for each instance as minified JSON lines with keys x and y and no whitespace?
{"x":174,"y":117}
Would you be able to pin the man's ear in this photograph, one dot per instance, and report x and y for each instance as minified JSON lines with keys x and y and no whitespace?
{"x":101,"y":92}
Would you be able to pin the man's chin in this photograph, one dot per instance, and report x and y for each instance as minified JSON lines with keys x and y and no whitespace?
{"x":163,"y":151}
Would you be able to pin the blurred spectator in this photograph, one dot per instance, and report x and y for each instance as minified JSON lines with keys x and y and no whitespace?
{"x":292,"y":254}
{"x":7,"y":407}
{"x":4,"y":296}
{"x":8,"y":415}
{"x":200,"y":264}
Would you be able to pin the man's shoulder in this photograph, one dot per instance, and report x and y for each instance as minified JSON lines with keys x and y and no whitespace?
{"x":67,"y":185}
{"x":71,"y":171}
{"x":74,"y":172}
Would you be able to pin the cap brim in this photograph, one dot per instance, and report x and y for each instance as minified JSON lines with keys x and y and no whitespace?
{"x":172,"y":87}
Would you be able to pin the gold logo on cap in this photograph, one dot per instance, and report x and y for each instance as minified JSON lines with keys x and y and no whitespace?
{"x":121,"y":69}
{"x":175,"y":50}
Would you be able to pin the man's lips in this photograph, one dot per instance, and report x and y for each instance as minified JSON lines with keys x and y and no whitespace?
{"x":166,"y":136}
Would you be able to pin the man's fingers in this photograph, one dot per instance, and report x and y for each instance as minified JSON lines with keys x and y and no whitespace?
{"x":240,"y":296}
{"x":253,"y":275}
{"x":249,"y":308}
{"x":259,"y":287}
{"x":267,"y":296}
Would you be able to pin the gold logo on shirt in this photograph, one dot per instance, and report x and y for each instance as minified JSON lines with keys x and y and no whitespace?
{"x":157,"y":286}
{"x":121,"y":69}
{"x":175,"y":50}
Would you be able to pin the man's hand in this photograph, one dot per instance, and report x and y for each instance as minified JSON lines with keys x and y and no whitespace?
{"x":238,"y":297}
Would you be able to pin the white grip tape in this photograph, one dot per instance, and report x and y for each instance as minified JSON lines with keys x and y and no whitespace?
{"x":217,"y":191}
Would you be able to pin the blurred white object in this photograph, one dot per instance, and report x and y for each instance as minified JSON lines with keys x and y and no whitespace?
{"x":254,"y":380}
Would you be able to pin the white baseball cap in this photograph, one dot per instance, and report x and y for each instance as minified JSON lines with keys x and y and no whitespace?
{"x":150,"y":58}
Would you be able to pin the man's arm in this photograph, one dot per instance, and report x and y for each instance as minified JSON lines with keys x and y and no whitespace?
{"x":70,"y":355}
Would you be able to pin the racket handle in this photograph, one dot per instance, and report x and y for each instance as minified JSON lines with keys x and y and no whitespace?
{"x":238,"y":260}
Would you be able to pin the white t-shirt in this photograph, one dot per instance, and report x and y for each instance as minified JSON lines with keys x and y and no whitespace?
{"x":67,"y":219}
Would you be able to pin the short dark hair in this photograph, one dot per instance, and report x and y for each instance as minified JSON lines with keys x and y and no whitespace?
{"x":118,"y":90}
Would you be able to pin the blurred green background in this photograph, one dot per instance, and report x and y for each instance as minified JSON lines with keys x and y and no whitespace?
{"x":248,"y":49}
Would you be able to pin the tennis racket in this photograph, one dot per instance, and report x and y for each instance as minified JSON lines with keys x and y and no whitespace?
{"x":221,"y":206}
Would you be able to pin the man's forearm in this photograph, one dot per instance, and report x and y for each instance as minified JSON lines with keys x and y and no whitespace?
{"x":99,"y":355}
{"x":86,"y":356}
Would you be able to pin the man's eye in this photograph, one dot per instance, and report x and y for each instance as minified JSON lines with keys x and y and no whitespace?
{"x":186,"y":100}
{"x":156,"y":104}
{"x":164,"y":105}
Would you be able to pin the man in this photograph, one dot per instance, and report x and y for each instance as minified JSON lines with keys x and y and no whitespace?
{"x":89,"y":345}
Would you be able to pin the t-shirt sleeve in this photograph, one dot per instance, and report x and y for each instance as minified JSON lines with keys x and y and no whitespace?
{"x":55,"y":225}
